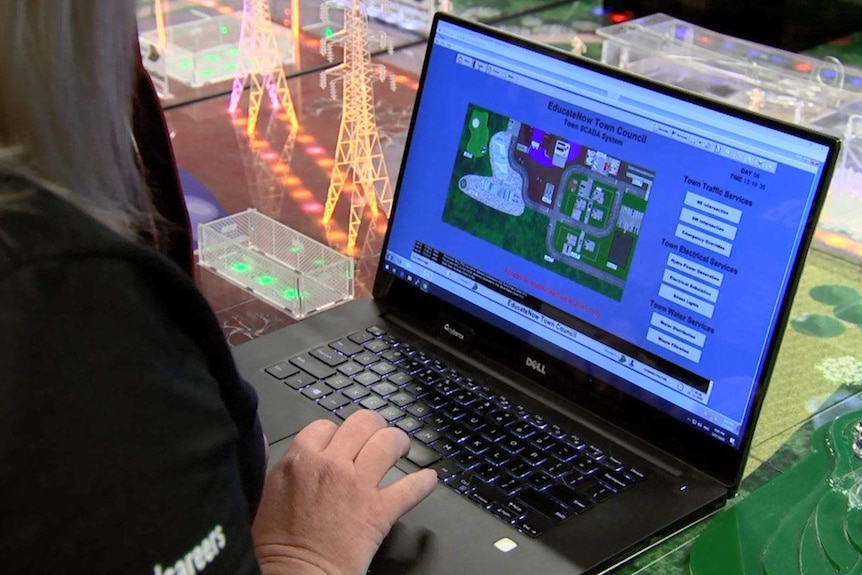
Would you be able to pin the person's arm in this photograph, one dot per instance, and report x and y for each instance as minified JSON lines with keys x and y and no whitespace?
{"x":322,"y":511}
{"x":117,"y":451}
{"x":119,"y":454}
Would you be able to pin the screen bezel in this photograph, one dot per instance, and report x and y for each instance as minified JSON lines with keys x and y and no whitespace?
{"x":710,"y":455}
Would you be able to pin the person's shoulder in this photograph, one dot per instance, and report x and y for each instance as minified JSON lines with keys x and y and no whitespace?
{"x":36,"y":224}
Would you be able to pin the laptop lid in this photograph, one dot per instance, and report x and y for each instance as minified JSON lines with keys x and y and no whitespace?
{"x":628,"y":246}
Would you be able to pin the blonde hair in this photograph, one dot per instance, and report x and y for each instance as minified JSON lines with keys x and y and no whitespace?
{"x":66,"y":85}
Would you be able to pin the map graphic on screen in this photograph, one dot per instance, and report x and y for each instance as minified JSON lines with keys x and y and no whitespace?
{"x":573,"y":209}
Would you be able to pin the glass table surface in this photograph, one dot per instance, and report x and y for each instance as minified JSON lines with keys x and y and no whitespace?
{"x":818,"y":374}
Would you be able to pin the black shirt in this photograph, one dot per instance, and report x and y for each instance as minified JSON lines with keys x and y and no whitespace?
{"x":128,"y":442}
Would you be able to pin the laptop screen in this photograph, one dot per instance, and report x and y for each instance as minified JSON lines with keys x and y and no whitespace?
{"x":639,"y":235}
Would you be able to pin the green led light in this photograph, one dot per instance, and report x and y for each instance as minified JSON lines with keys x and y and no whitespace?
{"x":296,"y":248}
{"x":290,"y":294}
{"x":230,"y":67}
{"x":233,"y":51}
{"x":224,"y":29}
{"x":185,"y":63}
{"x":265,"y":280}
{"x":207,"y":73}
{"x":328,"y":32}
{"x":320,"y":261}
{"x":241,"y":267}
{"x":211,"y":58}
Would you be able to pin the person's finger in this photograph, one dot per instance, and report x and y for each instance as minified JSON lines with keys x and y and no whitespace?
{"x":354,"y":432}
{"x":407,"y":492}
{"x":380,"y":453}
{"x":316,"y":436}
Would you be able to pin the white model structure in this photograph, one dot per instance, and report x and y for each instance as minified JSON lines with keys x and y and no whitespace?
{"x":260,"y":64}
{"x":410,"y":14}
{"x":359,"y":156}
{"x":153,"y":50}
{"x":201,"y":47}
{"x":579,"y":47}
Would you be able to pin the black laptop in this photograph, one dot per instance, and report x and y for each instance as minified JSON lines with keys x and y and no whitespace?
{"x":578,"y":304}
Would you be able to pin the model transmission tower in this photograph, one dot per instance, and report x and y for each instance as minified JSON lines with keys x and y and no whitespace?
{"x":359,"y":154}
{"x":260,"y":63}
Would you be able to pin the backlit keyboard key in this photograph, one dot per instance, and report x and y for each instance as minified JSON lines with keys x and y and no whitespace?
{"x":333,"y":401}
{"x":409,"y":424}
{"x":313,"y":366}
{"x":360,"y":337}
{"x":300,"y":380}
{"x":427,"y":435}
{"x":346,"y":347}
{"x":391,"y":413}
{"x":328,"y":356}
{"x":373,"y":402}
{"x":338,"y":381}
{"x":317,"y":390}
{"x":282,"y":370}
{"x":489,"y":447}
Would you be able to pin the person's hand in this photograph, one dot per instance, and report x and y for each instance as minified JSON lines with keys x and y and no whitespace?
{"x":322,"y":511}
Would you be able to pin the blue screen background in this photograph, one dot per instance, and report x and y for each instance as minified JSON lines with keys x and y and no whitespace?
{"x":761,"y":251}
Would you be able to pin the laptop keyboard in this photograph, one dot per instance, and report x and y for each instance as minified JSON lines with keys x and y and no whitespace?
{"x":512,"y":463}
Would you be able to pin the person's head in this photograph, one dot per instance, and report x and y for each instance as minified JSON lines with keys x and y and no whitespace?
{"x":66,"y":85}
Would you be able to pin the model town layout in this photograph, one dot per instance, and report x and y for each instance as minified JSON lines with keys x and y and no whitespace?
{"x":513,"y":183}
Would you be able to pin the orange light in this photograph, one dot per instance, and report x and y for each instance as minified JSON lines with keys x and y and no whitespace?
{"x":839,"y":241}
{"x":407,"y":81}
{"x":302,"y":194}
{"x":337,"y":235}
{"x":804,"y":67}
{"x":705,"y":40}
{"x":836,"y":241}
{"x":225,"y":10}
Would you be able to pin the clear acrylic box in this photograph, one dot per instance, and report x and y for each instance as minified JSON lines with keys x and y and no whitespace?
{"x":822,"y":94}
{"x":276,"y":263}
{"x":778,"y":83}
{"x":203,"y":51}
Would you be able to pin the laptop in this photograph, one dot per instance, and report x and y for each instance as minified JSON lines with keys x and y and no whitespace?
{"x":578,"y":304}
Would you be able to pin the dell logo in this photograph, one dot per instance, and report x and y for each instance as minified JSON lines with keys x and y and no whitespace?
{"x":536,"y":365}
